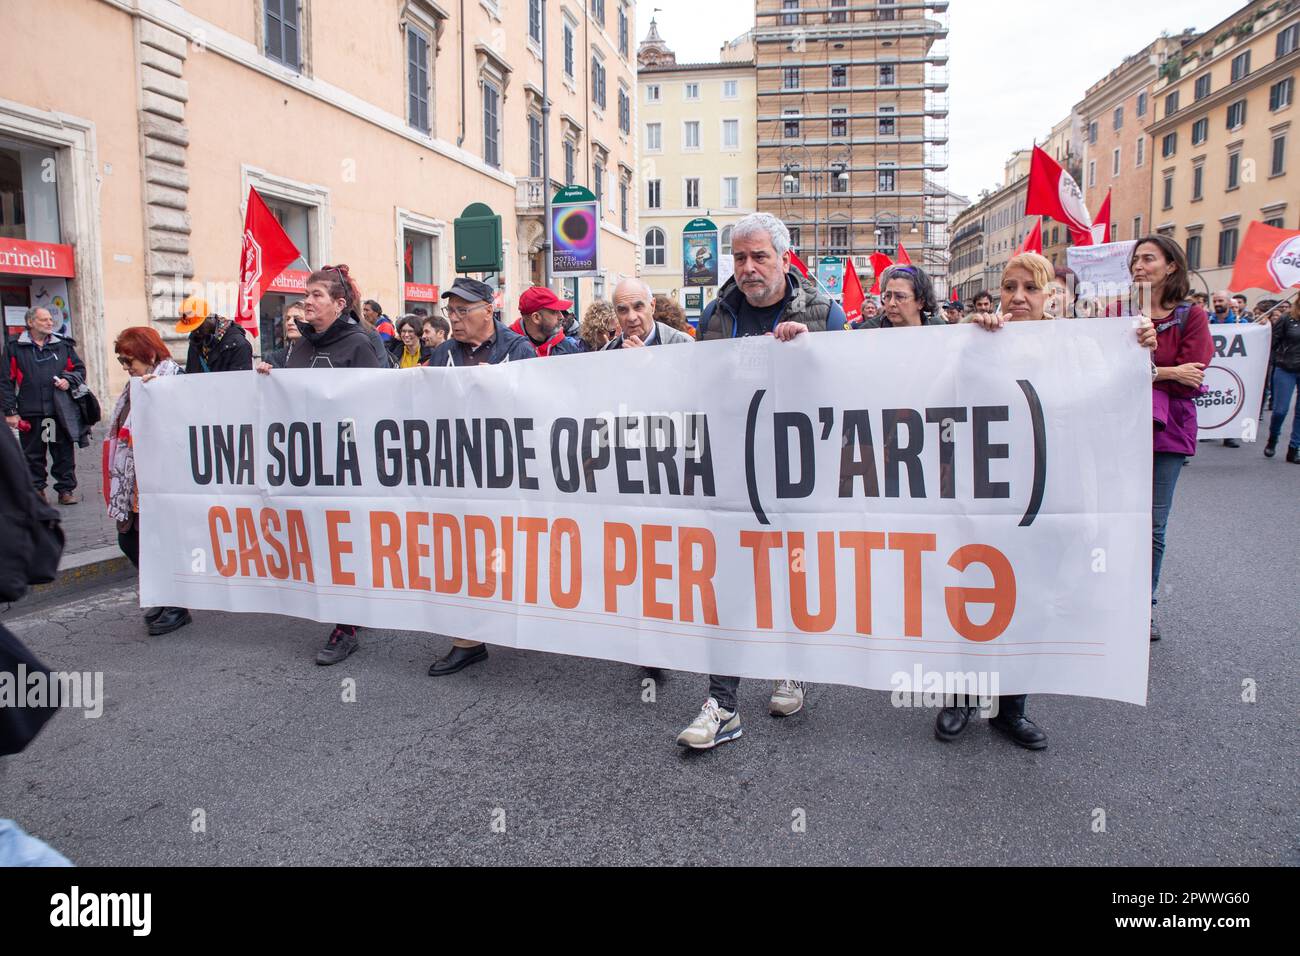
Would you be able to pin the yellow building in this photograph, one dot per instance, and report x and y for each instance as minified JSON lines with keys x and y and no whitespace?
{"x":698,"y":157}
{"x":367,"y":127}
{"x":1222,"y":145}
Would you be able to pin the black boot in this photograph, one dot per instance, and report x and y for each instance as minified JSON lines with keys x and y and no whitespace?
{"x":1293,"y":455}
{"x":1011,"y":720}
{"x":951,"y":722}
{"x":171,"y":619}
{"x":458,"y":660}
{"x":1231,"y":443}
{"x":1270,"y":447}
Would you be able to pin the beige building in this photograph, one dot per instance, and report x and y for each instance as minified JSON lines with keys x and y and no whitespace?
{"x":697,"y":159}
{"x":985,"y":235}
{"x":367,"y":129}
{"x":1223,"y":148}
{"x":852,"y":126}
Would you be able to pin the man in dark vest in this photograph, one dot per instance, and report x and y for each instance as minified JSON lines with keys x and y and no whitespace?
{"x":763,"y":297}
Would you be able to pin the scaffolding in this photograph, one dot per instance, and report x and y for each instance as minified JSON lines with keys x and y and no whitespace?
{"x":853,"y":127}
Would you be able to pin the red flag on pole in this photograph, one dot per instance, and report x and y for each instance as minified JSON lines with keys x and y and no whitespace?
{"x":852,"y":292}
{"x":1101,"y":228}
{"x":879,"y":263}
{"x":266,"y":251}
{"x":1033,"y":240}
{"x":798,"y":263}
{"x":903,"y":258}
{"x":1053,"y":192}
{"x":955,"y":297}
{"x":1269,"y":259}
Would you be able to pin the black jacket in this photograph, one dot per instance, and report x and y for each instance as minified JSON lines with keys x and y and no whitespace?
{"x":28,"y":390}
{"x":506,"y":346}
{"x":395,"y":347}
{"x":1286,"y":344}
{"x":230,"y":350}
{"x":806,"y":303}
{"x":343,"y":345}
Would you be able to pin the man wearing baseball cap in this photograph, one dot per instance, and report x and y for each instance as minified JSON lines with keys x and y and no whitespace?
{"x":216,"y":344}
{"x":542,"y":322}
{"x":476,"y":339}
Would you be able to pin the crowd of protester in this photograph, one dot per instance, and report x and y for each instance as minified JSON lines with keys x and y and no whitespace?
{"x":332,"y":327}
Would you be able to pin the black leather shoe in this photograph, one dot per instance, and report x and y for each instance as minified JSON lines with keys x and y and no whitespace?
{"x":1231,"y":443}
{"x":458,"y":660}
{"x":171,"y":619}
{"x":151,"y":614}
{"x":1155,"y":630}
{"x":1270,"y":448}
{"x":1020,"y":729}
{"x":1293,"y":455}
{"x":951,"y":722}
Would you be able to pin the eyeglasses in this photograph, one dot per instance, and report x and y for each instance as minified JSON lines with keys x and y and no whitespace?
{"x":897,"y":297}
{"x":125,"y":361}
{"x":463,"y":311}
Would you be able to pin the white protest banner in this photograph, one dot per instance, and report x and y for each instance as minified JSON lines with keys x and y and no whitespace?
{"x":839,"y":509}
{"x":1234,"y":382}
{"x":1102,"y":278}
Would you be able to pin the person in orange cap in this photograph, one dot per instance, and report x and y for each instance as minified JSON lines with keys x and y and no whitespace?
{"x":216,"y":344}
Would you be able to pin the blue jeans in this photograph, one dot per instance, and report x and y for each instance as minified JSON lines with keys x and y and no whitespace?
{"x":1165,"y":471}
{"x":1285,"y":385}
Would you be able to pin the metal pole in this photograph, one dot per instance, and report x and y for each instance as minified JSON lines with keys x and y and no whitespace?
{"x":546,"y":157}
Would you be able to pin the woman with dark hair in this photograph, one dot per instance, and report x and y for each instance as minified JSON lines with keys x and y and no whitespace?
{"x":908,"y":298}
{"x":140,"y":350}
{"x":407,"y":350}
{"x":1286,"y":375}
{"x":1183,"y":348}
{"x":331,"y":338}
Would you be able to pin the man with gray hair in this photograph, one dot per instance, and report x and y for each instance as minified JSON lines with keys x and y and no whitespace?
{"x":763,"y":297}
{"x":634,"y":304}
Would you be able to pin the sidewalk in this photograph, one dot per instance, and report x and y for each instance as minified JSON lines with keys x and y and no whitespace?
{"x":90,"y":551}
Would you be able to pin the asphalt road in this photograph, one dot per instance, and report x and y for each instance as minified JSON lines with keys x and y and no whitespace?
{"x":231,"y":717}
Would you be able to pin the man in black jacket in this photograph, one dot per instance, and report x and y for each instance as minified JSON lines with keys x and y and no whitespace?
{"x":216,"y":344}
{"x":39,"y":364}
{"x":476,"y":339}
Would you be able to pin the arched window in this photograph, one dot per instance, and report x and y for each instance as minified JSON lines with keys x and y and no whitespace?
{"x":726,"y":240}
{"x":655,"y":247}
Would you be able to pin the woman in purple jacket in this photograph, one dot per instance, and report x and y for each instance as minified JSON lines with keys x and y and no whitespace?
{"x":1183,"y":348}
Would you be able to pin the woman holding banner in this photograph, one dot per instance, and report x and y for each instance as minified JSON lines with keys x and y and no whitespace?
{"x":140,"y":350}
{"x":1026,"y":289}
{"x":1184,"y":348}
{"x":332,"y":337}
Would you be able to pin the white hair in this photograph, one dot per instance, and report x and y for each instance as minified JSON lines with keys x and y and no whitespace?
{"x":766,"y":223}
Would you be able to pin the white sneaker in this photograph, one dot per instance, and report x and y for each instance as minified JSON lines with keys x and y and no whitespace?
{"x":714,"y":726}
{"x":787,"y":698}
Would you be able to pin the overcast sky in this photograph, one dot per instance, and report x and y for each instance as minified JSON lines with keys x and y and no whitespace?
{"x":1011,"y":79}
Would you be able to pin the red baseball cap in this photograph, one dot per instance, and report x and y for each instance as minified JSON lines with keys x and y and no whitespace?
{"x":540,"y":297}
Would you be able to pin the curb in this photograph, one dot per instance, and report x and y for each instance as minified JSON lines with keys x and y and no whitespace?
{"x":85,"y":568}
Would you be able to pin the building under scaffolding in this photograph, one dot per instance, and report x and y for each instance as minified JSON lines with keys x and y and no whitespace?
{"x":853,"y":128}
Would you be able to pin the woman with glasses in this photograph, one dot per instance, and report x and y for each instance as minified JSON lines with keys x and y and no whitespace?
{"x":1026,"y":292}
{"x":408,"y":350}
{"x":140,"y":350}
{"x":908,"y":299}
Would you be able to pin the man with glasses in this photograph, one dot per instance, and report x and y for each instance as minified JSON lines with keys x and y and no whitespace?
{"x":477,"y":338}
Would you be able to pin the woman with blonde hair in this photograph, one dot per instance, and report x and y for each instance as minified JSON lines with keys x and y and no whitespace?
{"x":599,"y":325}
{"x":1025,"y":289}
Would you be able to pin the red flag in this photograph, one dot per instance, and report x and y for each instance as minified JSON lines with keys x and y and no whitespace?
{"x":798,"y":263}
{"x":265,"y":253}
{"x":1033,"y":240}
{"x":903,"y":258}
{"x":955,"y":296}
{"x":1101,"y":228}
{"x":1053,"y":192}
{"x":879,"y":263}
{"x":852,"y":292}
{"x":1269,"y":259}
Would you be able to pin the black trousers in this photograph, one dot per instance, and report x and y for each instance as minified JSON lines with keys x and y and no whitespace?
{"x":36,"y":448}
{"x":129,"y":542}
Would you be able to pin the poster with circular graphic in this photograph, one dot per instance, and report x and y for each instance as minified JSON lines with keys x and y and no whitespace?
{"x":575,"y":233}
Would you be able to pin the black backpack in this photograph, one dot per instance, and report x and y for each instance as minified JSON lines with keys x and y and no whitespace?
{"x":33,"y":541}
